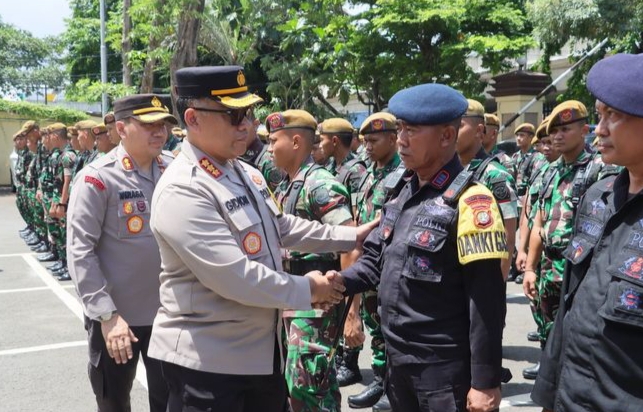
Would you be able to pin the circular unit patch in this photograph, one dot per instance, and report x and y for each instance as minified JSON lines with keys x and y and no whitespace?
{"x":135,"y":224}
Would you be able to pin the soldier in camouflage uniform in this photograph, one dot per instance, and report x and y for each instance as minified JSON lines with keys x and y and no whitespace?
{"x":62,"y":171}
{"x":335,"y":137}
{"x":379,"y":131}
{"x":257,"y":154}
{"x":490,"y":140}
{"x":561,"y":189}
{"x":32,"y":170}
{"x":488,"y":171}
{"x":527,"y":219}
{"x":46,"y":189}
{"x":522,"y":160}
{"x":24,"y":157}
{"x":310,"y":192}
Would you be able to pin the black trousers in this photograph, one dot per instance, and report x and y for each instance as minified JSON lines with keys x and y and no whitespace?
{"x":196,"y":391}
{"x":112,"y":382}
{"x":428,"y":387}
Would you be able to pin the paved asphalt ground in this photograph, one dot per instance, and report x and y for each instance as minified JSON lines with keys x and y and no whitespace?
{"x":43,"y":350}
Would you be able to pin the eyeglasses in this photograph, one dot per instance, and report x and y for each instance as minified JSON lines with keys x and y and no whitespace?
{"x":236,"y":115}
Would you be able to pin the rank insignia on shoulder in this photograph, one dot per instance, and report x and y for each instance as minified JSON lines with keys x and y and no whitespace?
{"x":135,"y":224}
{"x":95,"y":181}
{"x":252,"y":243}
{"x":127,"y":163}
{"x":212,"y":170}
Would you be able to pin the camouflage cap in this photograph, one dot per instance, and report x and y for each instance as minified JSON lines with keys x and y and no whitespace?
{"x":291,"y":119}
{"x":378,"y":122}
{"x":525,"y":127}
{"x":335,"y":125}
{"x":85,"y":124}
{"x":491,"y":120}
{"x":475,"y":109}
{"x":567,"y":112}
{"x":28,"y":126}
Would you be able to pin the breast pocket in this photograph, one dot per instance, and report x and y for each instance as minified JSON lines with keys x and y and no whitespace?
{"x":133,"y":218}
{"x":423,"y":261}
{"x":624,"y":303}
{"x":249,"y":231}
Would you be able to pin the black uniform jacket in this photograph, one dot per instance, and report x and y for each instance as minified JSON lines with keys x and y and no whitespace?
{"x":594,"y":355}
{"x":434,"y":310}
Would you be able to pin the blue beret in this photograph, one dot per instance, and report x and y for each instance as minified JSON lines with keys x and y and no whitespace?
{"x":428,"y":104}
{"x":617,"y":81}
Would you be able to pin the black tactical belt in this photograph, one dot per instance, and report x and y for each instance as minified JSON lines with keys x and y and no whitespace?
{"x":301,"y":267}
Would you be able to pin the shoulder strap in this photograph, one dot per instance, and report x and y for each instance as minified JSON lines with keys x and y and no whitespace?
{"x":395,"y":181}
{"x":479,"y":170}
{"x":548,"y":178}
{"x":457,"y":187}
{"x":297,"y":185}
{"x":341,"y":178}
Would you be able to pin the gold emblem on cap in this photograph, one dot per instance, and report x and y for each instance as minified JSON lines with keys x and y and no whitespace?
{"x":241,"y":78}
{"x":156,"y":102}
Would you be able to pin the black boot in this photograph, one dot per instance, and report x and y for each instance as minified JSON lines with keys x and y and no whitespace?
{"x":348,"y":373}
{"x":533,"y":336}
{"x":369,"y":396}
{"x":531,"y":372}
{"x":383,"y":405}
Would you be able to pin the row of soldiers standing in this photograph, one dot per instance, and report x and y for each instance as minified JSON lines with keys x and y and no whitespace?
{"x":48,"y":160}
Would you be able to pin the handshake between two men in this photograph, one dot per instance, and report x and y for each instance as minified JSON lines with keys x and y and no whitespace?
{"x":326,"y":290}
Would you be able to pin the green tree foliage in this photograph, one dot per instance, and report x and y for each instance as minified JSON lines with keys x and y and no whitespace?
{"x":42,"y":113}
{"x":584,"y":23}
{"x":28,"y":63}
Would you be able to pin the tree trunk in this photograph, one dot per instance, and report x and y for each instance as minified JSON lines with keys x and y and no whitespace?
{"x":187,"y":37}
{"x":147,"y":81}
{"x":127,"y":43}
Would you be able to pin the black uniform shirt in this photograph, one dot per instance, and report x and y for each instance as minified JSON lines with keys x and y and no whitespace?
{"x":433,"y":308}
{"x":594,"y":357}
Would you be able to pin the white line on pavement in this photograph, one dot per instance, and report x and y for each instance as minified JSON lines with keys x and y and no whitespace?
{"x":6,"y":255}
{"x":40,"y":348}
{"x":71,"y":303}
{"x":24,"y":289}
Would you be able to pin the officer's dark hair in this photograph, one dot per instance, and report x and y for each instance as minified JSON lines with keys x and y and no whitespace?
{"x":182,"y":104}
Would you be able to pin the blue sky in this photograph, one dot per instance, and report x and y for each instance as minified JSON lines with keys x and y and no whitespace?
{"x":40,"y":17}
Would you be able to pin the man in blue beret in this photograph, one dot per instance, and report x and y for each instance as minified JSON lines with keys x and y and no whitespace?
{"x":593,"y":359}
{"x":436,"y":259}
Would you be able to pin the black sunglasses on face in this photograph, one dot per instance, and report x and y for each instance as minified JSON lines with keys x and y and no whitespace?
{"x":236,"y":115}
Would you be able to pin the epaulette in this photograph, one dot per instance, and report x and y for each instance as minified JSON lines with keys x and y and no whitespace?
{"x":396,"y":180}
{"x":461,"y":182}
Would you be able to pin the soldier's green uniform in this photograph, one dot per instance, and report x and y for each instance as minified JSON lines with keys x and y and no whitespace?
{"x":313,"y":194}
{"x":371,"y":199}
{"x":503,"y":158}
{"x":488,"y":171}
{"x":522,"y":166}
{"x":310,"y":333}
{"x":24,"y":158}
{"x":33,"y":174}
{"x":47,"y":185}
{"x":349,"y":173}
{"x":562,"y":187}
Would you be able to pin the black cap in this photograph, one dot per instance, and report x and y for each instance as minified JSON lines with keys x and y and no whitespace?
{"x":147,"y":108}
{"x":225,"y":84}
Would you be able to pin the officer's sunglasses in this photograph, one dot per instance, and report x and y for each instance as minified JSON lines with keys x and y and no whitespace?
{"x":236,"y":115}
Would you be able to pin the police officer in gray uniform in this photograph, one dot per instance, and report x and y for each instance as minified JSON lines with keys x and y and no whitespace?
{"x":112,"y":256}
{"x":593,"y":359}
{"x":220,"y":233}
